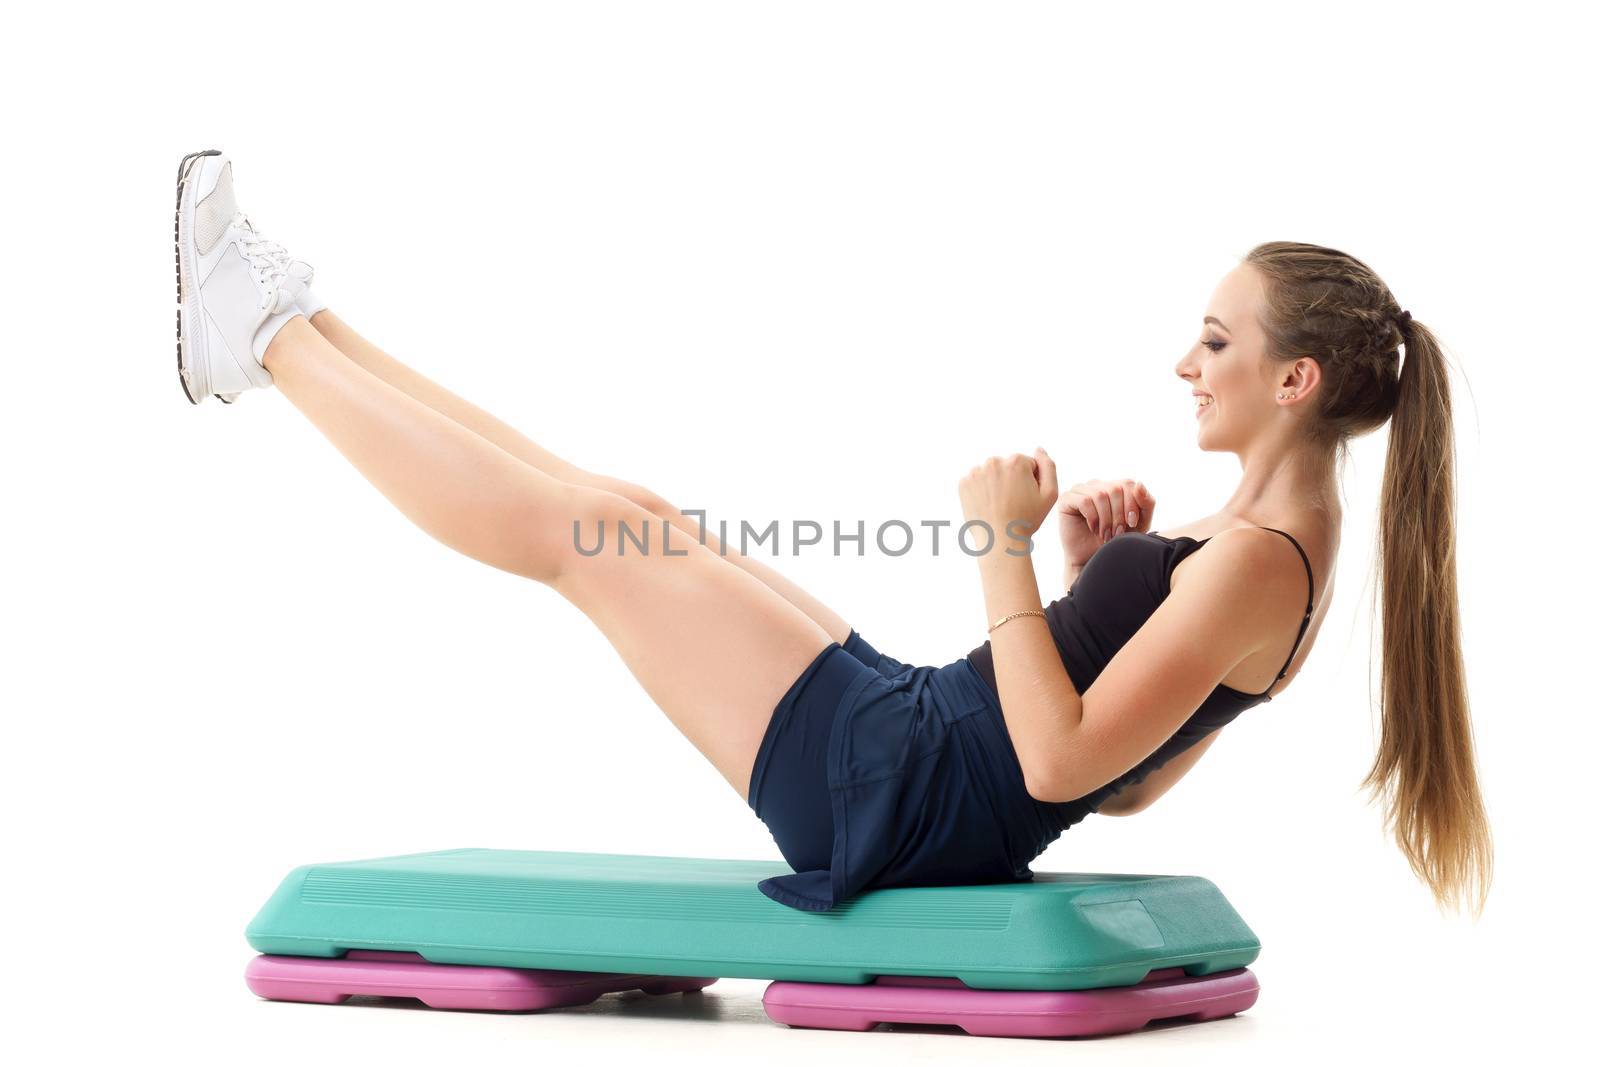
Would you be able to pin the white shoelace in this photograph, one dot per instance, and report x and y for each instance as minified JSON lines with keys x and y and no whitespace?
{"x":268,"y":258}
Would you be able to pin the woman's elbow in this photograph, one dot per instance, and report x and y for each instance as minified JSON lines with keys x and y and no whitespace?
{"x":1038,"y":791}
{"x":1050,"y":789}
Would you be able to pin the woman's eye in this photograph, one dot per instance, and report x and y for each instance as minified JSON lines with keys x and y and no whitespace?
{"x":1215,"y":346}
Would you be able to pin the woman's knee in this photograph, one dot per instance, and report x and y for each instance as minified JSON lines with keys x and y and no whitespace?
{"x":644,"y":498}
{"x":600,"y":523}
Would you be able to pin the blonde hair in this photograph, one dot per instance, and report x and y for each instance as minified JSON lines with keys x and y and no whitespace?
{"x":1330,"y":306}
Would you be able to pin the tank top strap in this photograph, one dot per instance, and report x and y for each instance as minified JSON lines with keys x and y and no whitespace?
{"x":1310,"y":593}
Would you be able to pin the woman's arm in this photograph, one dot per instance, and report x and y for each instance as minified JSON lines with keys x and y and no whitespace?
{"x":1012,"y":497}
{"x":1135,"y":798}
{"x":1067,"y":745}
{"x":1037,"y":700}
{"x":1198,"y":634}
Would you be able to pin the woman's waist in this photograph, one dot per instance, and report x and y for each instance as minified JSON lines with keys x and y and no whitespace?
{"x":1028,"y":825}
{"x":948,"y":693}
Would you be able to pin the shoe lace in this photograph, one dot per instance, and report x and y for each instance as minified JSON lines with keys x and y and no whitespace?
{"x":268,"y":258}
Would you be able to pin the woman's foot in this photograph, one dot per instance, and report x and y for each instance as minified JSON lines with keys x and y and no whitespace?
{"x":236,"y":289}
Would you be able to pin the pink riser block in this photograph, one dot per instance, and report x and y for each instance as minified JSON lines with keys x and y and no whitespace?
{"x":443,"y":985}
{"x":1164,"y":994}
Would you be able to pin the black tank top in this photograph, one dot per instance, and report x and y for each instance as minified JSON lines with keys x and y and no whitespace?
{"x":1116,"y":593}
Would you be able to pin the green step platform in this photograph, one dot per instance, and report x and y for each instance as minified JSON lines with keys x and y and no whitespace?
{"x":664,"y":915}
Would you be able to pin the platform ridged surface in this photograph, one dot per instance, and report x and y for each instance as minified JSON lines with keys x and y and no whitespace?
{"x":704,"y":917}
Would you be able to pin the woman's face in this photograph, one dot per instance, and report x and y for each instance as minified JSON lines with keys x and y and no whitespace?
{"x":1227,"y":365}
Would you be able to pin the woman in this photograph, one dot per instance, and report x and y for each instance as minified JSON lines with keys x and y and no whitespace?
{"x":870,"y":772}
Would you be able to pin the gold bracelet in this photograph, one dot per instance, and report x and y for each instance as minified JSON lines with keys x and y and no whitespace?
{"x":1014,"y":615}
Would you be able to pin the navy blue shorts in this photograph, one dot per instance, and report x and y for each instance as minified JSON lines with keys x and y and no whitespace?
{"x":873,"y":773}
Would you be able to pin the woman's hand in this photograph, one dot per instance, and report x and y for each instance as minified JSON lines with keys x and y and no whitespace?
{"x":1095,"y":511}
{"x":1013,"y":495}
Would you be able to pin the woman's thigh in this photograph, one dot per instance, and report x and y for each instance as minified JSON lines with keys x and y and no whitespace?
{"x":715,"y":647}
{"x":696,"y":527}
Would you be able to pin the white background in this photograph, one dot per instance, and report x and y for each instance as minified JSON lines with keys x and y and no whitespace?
{"x":810,"y":261}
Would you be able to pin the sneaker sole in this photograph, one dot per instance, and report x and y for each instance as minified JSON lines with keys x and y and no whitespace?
{"x":185,"y":167}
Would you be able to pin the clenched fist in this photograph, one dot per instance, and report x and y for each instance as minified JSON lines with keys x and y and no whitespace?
{"x":1012,"y":494}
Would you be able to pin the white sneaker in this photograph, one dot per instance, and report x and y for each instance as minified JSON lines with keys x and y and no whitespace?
{"x":232,"y":296}
{"x":298,"y":285}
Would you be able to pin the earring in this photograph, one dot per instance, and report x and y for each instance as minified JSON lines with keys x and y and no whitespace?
{"x":1290,"y":395}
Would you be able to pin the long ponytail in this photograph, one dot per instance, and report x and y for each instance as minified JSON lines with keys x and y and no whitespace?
{"x":1329,"y":305}
{"x":1425,"y":766}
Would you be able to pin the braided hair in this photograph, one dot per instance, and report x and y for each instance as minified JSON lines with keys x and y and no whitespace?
{"x":1328,"y":305}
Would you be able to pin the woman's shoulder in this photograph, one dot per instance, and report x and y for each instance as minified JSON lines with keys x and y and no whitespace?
{"x":1245,"y":567}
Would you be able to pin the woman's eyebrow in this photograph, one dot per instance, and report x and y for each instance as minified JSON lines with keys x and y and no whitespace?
{"x":1219,"y":322}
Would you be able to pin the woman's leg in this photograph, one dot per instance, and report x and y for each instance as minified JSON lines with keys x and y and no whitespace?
{"x":440,"y":399}
{"x":712,"y":645}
